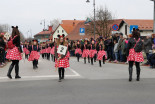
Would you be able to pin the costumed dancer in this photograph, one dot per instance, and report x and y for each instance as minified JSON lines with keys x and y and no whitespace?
{"x":34,"y":56}
{"x":78,"y":51}
{"x":52,"y":50}
{"x":48,"y":49}
{"x":92,"y":51}
{"x":15,"y":52}
{"x":26,"y":49}
{"x":101,"y":53}
{"x":134,"y":53}
{"x":43,"y":49}
{"x":61,"y":61}
{"x":85,"y":53}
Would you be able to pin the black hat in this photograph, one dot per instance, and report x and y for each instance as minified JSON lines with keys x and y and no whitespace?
{"x":35,"y":40}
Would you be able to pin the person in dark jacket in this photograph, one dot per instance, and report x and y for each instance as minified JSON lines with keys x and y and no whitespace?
{"x":147,"y":47}
{"x":2,"y":50}
{"x":134,"y":56}
{"x":14,"y":54}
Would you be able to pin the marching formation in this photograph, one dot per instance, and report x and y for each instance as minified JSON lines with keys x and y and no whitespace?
{"x":89,"y":50}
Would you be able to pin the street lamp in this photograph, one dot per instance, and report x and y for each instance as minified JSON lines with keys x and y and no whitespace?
{"x":94,"y":17}
{"x":154,"y":17}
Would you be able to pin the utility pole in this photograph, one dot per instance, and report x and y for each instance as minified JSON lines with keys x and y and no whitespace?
{"x":94,"y":17}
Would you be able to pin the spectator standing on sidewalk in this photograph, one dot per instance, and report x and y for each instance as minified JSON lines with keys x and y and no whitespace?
{"x":147,"y":47}
{"x":2,"y":50}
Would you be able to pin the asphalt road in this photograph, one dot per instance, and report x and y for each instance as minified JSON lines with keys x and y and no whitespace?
{"x":84,"y":84}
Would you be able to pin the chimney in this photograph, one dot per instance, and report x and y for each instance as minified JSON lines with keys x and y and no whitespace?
{"x":74,"y":22}
{"x":50,"y":28}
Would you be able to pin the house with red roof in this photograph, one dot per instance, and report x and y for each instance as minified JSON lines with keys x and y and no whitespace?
{"x":71,"y":28}
{"x":145,"y":26}
{"x":66,"y":27}
{"x":44,"y":35}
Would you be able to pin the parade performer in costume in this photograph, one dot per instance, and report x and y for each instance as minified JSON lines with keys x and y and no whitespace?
{"x":15,"y":52}
{"x":134,"y":53}
{"x":34,"y":56}
{"x":85,"y":53}
{"x":61,"y":61}
{"x":101,"y":53}
{"x":92,"y":51}
{"x":43,"y":49}
{"x":26,"y":49}
{"x":78,"y":51}
{"x":48,"y":49}
{"x":52,"y":50}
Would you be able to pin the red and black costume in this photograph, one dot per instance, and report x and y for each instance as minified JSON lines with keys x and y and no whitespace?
{"x":26,"y":50}
{"x":48,"y":49}
{"x":78,"y":51}
{"x":34,"y":56}
{"x":101,"y":54}
{"x":14,"y":54}
{"x":63,"y":61}
{"x":43,"y":50}
{"x":134,"y":53}
{"x":85,"y":54}
{"x":92,"y":52}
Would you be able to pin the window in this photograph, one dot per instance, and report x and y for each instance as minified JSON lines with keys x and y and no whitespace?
{"x":62,"y":31}
{"x":58,"y":31}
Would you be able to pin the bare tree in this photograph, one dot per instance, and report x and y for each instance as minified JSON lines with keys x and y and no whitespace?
{"x":55,"y":23}
{"x":22,"y":37}
{"x":103,"y":22}
{"x":5,"y":28}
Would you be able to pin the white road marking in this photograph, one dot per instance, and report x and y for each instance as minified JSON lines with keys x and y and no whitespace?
{"x":76,"y":75}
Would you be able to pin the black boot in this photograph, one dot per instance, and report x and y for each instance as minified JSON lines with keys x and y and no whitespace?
{"x":88,"y":59}
{"x":54,"y":58}
{"x":85,"y":60}
{"x":138,"y":74}
{"x":100,"y":63}
{"x":103,"y":59}
{"x":9,"y":71}
{"x":17,"y":72}
{"x":91,"y":61}
{"x":59,"y":71}
{"x":63,"y":72}
{"x":130,"y":74}
{"x":95,"y":58}
{"x":34,"y":67}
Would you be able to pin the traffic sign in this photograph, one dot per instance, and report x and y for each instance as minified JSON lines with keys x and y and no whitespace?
{"x":115,"y":27}
{"x":82,"y":31}
{"x":133,"y":26}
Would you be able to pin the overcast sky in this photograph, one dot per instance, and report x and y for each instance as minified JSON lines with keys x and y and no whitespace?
{"x":27,"y":14}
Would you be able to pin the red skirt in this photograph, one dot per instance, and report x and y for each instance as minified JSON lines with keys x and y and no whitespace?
{"x":78,"y":50}
{"x":64,"y":63}
{"x":85,"y":53}
{"x":34,"y":56}
{"x":68,"y":55}
{"x":24,"y":49}
{"x":27,"y":51}
{"x":48,"y":49}
{"x":52,"y":51}
{"x":135,"y":56}
{"x":43,"y":51}
{"x":92,"y":53}
{"x":13,"y":54}
{"x":101,"y":54}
